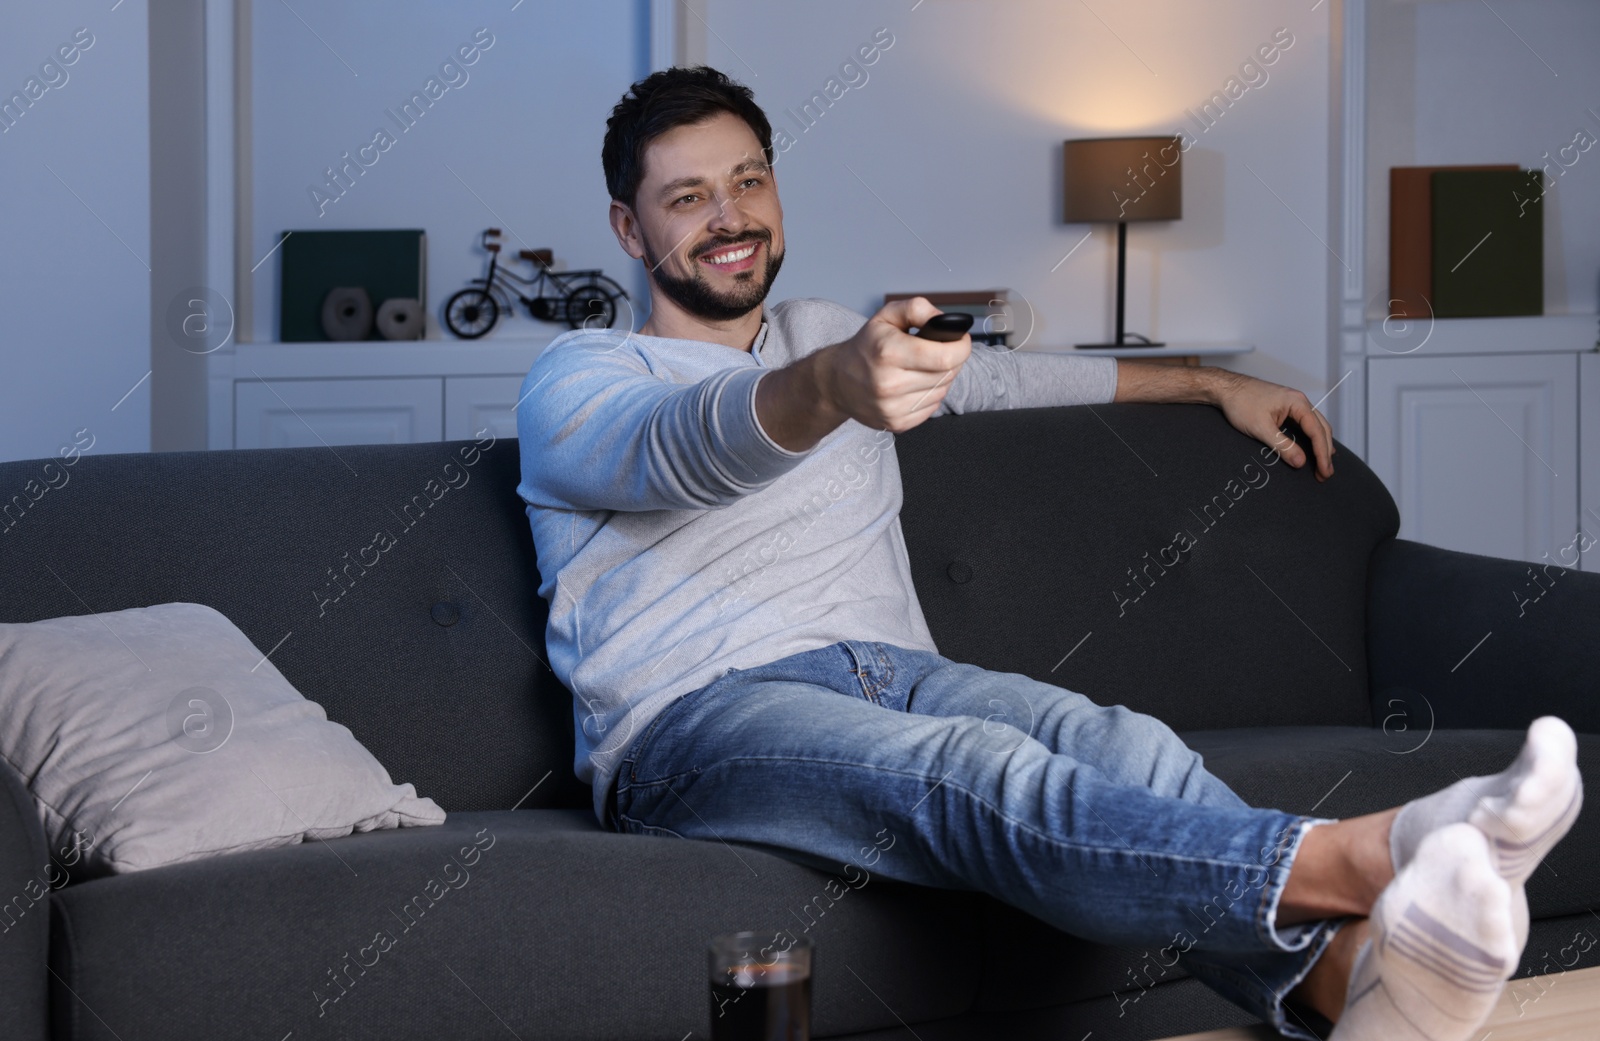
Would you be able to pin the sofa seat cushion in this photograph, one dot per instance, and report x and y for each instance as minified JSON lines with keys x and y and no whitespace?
{"x":1332,"y":772}
{"x":536,"y":918}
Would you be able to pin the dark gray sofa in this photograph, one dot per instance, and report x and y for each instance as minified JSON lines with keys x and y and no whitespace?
{"x":1314,"y":659}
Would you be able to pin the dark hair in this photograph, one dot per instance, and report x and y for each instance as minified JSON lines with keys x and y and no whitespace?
{"x":664,"y":101}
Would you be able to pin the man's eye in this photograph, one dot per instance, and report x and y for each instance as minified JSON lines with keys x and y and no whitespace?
{"x":753,"y":180}
{"x":686,"y":198}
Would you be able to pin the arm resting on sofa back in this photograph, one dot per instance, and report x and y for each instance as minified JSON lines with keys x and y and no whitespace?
{"x":26,"y":878}
{"x":1457,"y":640}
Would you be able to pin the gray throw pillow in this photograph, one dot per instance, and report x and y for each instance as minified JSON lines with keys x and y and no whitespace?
{"x":161,"y":734}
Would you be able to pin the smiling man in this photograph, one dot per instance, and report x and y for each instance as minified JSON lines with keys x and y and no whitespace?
{"x":715,"y":504}
{"x":705,"y":279}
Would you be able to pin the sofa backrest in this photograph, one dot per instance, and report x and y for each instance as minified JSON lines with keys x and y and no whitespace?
{"x":1146,"y":555}
{"x":396,"y":585}
{"x":427,"y":644}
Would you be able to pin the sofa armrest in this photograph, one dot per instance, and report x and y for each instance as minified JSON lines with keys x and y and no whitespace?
{"x":26,"y":876}
{"x":1457,"y":640}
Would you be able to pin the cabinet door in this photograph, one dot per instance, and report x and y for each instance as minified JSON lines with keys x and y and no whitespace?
{"x":1589,"y":457}
{"x":284,"y":413}
{"x":1480,"y":452}
{"x":475,"y":403}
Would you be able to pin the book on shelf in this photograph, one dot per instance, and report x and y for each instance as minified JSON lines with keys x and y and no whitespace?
{"x":1488,"y":243}
{"x":1411,"y":237}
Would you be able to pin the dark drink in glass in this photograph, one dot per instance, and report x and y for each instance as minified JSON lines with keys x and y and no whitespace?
{"x":760,"y":987}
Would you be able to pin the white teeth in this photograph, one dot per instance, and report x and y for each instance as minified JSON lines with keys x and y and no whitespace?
{"x":732,"y":258}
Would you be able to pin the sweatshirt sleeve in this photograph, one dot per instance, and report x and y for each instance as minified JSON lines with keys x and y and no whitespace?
{"x":995,"y":378}
{"x":598,"y":431}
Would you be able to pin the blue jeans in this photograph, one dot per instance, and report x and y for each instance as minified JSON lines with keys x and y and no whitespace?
{"x":1095,"y":819}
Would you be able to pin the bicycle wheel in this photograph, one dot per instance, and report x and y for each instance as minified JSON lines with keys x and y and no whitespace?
{"x":611,"y":287}
{"x":471,"y":313}
{"x":590,"y":307}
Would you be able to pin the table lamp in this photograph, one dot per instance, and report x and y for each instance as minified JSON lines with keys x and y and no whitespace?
{"x":1122,"y":179}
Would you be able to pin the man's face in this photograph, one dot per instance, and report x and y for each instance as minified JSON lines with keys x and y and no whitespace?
{"x":709,"y":222}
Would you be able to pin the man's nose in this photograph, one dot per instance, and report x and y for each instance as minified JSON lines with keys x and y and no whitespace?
{"x":729,"y":215}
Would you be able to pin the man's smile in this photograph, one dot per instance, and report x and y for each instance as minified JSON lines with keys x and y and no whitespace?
{"x":738,"y":257}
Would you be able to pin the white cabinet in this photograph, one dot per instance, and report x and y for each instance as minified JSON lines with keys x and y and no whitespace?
{"x":1479,"y":451}
{"x":475,"y":403}
{"x":1589,"y":458}
{"x":274,"y":395}
{"x":304,"y":413}
{"x":1485,"y":430}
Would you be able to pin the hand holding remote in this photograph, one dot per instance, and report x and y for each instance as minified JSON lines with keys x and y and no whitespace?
{"x":945,"y":328}
{"x":884,"y":377}
{"x":888,"y":378}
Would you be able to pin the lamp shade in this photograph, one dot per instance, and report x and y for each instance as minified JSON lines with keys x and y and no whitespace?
{"x":1123,"y":179}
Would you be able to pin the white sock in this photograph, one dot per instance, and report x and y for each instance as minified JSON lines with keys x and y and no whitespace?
{"x":1523,"y":811}
{"x":1441,"y":947}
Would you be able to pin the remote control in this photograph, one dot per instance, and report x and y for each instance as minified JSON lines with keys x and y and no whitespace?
{"x":945,"y":327}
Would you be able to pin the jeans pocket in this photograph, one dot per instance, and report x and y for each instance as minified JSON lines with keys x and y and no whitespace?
{"x":874,"y":667}
{"x":635,"y":769}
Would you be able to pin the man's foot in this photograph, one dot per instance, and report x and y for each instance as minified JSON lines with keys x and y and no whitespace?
{"x":1442,"y":945}
{"x":1523,"y":811}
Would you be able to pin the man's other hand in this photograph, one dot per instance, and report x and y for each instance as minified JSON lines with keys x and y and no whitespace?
{"x":1256,"y":407}
{"x":1259,"y":408}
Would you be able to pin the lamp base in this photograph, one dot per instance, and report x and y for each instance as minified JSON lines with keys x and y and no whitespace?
{"x":1117,"y":346}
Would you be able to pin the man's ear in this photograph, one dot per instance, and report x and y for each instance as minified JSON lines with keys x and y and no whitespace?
{"x":626,"y":227}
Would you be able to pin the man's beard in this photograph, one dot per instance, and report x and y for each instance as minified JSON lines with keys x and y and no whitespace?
{"x":696,"y":295}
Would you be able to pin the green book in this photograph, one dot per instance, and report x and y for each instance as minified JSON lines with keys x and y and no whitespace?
{"x":385,"y":263}
{"x":1488,"y":243}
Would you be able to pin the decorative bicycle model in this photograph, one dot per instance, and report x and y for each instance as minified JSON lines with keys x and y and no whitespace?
{"x":582,"y":299}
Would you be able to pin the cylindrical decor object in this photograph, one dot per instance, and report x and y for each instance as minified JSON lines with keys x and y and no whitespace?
{"x":400,"y":318}
{"x":347,"y":313}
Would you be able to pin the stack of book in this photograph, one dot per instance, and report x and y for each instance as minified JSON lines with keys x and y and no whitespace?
{"x":993,"y":319}
{"x":1465,"y":241}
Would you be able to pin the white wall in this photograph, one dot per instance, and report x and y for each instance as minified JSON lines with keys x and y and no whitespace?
{"x":516,"y":144}
{"x":1508,"y":85}
{"x":1456,"y":82}
{"x":959,"y":130}
{"x":74,"y":275}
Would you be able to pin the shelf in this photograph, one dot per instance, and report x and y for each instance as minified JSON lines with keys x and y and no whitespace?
{"x":377,"y":358}
{"x":1523,"y":334}
{"x":1171,"y":350}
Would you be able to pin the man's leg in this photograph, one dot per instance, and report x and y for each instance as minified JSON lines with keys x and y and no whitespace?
{"x":1138,"y":749}
{"x":1125,"y":746}
{"x":802,"y":755}
{"x":733,"y":766}
{"x":1431,"y":961}
{"x":1341,"y":868}
{"x":1438,"y":928}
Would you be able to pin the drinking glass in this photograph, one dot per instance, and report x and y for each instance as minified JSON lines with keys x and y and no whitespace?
{"x":760,"y":987}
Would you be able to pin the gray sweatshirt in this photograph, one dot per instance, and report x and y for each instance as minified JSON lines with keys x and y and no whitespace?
{"x":676,"y":540}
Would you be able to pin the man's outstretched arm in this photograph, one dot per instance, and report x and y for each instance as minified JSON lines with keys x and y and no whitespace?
{"x":1256,"y":407}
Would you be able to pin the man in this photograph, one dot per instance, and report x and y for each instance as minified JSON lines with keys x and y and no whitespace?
{"x":714,"y":500}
